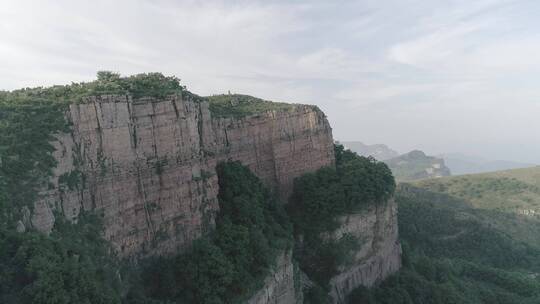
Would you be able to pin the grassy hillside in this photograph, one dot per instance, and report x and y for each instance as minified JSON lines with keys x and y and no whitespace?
{"x":464,"y":242}
{"x":513,"y":191}
{"x":236,"y":105}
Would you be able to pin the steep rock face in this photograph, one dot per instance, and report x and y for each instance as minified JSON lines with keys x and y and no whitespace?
{"x":279,"y":286}
{"x":379,"y":254}
{"x":149,"y":165}
{"x":277,"y":146}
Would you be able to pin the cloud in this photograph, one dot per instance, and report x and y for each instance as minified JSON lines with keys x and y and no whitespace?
{"x":405,"y":73}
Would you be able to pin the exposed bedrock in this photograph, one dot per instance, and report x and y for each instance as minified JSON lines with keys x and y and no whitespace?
{"x":149,"y":165}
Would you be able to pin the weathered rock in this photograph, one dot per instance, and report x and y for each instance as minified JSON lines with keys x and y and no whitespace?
{"x":279,"y":286}
{"x":379,"y":254}
{"x":148,"y":165}
{"x":277,"y":146}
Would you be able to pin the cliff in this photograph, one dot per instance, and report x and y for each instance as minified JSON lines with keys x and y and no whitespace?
{"x":279,"y":286}
{"x":379,"y":255}
{"x":148,"y":165}
{"x":143,"y":153}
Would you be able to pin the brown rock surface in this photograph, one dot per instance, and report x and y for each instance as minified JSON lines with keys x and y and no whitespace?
{"x":379,"y":255}
{"x":149,"y":165}
{"x":279,"y":287}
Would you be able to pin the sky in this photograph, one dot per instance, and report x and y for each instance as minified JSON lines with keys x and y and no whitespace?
{"x":440,"y":76}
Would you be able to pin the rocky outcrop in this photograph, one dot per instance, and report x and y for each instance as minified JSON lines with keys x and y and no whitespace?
{"x":276,"y":146}
{"x":148,"y":165}
{"x":279,"y":285}
{"x":379,"y":254}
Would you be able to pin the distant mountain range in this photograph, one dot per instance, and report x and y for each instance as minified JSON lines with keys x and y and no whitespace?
{"x":378,"y":151}
{"x":417,"y":165}
{"x":466,"y":164}
{"x":405,"y":167}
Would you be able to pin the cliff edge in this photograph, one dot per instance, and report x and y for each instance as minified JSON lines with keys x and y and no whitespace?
{"x":142,"y":153}
{"x":148,"y":165}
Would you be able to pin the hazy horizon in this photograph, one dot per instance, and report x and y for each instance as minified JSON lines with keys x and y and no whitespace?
{"x":440,"y":76}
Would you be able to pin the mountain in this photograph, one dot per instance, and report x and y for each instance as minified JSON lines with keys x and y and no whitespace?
{"x":466,"y":239}
{"x":378,"y":151}
{"x":409,"y":166}
{"x":417,"y":165}
{"x":464,"y":164}
{"x":135,"y":190}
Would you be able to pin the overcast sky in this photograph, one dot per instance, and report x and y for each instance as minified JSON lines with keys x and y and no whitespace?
{"x":441,"y":76}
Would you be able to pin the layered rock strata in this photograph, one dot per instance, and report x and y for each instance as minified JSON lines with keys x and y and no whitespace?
{"x":379,"y":254}
{"x":279,"y":285}
{"x":148,"y":165}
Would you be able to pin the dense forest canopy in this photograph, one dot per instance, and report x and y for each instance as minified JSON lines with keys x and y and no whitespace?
{"x":75,"y":265}
{"x":230,"y":263}
{"x":452,"y":255}
{"x":71,"y":265}
{"x":355,"y":182}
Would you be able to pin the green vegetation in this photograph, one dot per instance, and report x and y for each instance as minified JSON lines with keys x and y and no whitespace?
{"x":235,"y":105}
{"x":29,"y":119}
{"x":506,"y":200}
{"x":72,"y":265}
{"x":231,"y":263}
{"x":466,"y":239}
{"x":318,"y":200}
{"x":513,"y":191}
{"x":452,"y":254}
{"x":107,"y":83}
{"x":26,"y":162}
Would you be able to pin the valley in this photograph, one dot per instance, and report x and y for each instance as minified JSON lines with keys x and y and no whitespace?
{"x":466,"y":241}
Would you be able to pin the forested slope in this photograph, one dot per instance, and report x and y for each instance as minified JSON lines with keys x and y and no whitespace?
{"x":463,"y":244}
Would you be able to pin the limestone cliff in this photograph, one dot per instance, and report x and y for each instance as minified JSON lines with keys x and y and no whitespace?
{"x":379,"y":254}
{"x":149,"y":165}
{"x":279,"y":286}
